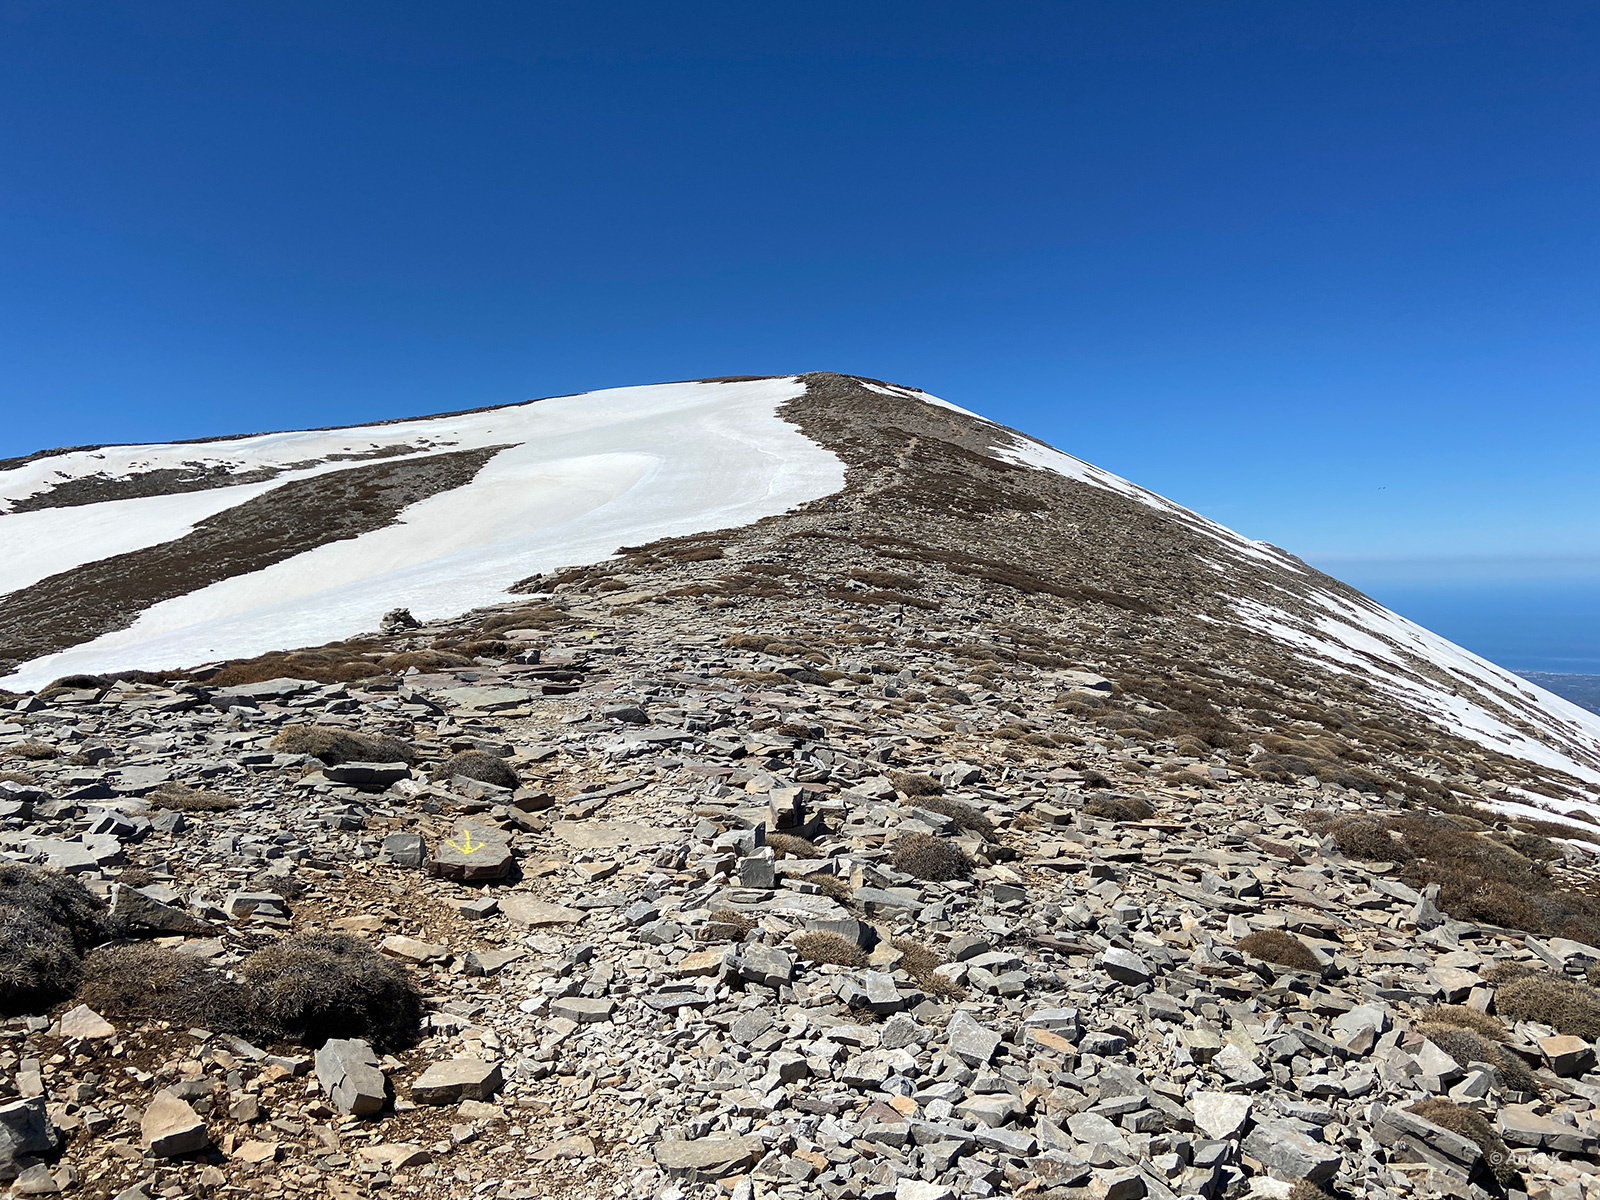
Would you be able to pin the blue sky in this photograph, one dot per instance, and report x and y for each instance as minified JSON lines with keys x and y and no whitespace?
{"x":1327,"y":273}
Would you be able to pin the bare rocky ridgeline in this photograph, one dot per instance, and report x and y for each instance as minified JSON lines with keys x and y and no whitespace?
{"x":925,"y":842}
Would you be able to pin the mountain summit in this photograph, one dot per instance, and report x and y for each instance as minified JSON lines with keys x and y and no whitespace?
{"x":787,"y":787}
{"x":158,"y":557}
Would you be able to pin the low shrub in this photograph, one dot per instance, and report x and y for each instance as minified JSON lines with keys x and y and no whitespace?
{"x":914,"y":783}
{"x":924,"y":856}
{"x":334,"y":745}
{"x":47,"y":921}
{"x":475,"y":764}
{"x":36,"y":751}
{"x":1465,"y":1047}
{"x":734,"y":919}
{"x":1460,"y":1016}
{"x":964,"y":815}
{"x":829,"y":948}
{"x":1471,"y":1124}
{"x":1276,"y":946}
{"x":1565,"y":1006}
{"x":1368,"y":838}
{"x":423,"y":660}
{"x":788,"y":845}
{"x":1118,"y":808}
{"x":181,"y":797}
{"x":316,"y":986}
{"x":920,"y":962}
{"x":149,"y":982}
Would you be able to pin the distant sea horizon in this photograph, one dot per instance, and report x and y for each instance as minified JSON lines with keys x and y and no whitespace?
{"x":1538,"y":620}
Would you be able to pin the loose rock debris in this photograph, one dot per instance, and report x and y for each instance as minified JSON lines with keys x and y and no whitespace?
{"x":782,"y":936}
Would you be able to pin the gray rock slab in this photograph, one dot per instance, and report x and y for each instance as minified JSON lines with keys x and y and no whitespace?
{"x":607,"y":835}
{"x":709,"y":1158}
{"x":1291,"y":1154}
{"x":136,"y":915}
{"x":348,"y":1071}
{"x":530,"y":910}
{"x":170,"y":1127}
{"x":457,"y":1079}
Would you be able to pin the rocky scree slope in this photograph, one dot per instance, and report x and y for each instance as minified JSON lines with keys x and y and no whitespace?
{"x":941,"y":837}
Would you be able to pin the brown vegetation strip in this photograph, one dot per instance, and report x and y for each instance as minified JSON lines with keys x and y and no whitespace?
{"x":79,"y":605}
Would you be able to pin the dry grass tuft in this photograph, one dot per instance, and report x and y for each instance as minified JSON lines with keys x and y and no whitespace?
{"x":788,"y":845}
{"x":1565,"y":1006}
{"x":829,"y":948}
{"x":1470,"y":1123}
{"x":1276,"y":946}
{"x":334,"y":745}
{"x":475,"y":764}
{"x":964,"y":815}
{"x":1459,"y":1016}
{"x":924,"y":856}
{"x":35,"y":751}
{"x":316,"y":986}
{"x":183,"y":798}
{"x":1119,"y":808}
{"x":47,"y":921}
{"x":149,"y":982}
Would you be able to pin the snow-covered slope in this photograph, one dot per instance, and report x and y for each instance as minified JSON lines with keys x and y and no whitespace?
{"x":580,"y":475}
{"x":486,"y":498}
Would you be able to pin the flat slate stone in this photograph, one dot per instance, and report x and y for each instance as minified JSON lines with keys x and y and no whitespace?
{"x":527,"y":910}
{"x":485,"y":698}
{"x":709,"y":1157}
{"x":606,"y":835}
{"x":473,"y":853}
{"x":366,"y":774}
{"x":456,"y":1080}
{"x":170,"y":1127}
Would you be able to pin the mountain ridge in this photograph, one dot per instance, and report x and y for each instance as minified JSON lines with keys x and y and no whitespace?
{"x":938,"y":478}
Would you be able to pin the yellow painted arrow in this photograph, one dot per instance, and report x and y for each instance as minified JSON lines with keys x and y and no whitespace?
{"x":465,"y":845}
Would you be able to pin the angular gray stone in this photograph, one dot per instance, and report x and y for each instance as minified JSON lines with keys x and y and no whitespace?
{"x":403,"y":849}
{"x":766,"y":965}
{"x":25,"y":1129}
{"x":1125,"y":966}
{"x":368,"y":775}
{"x":1220,"y":1115}
{"x":972,"y":1043}
{"x":170,"y":1127}
{"x":583,"y":1009}
{"x":136,"y":915}
{"x":530,"y":910}
{"x":348,"y":1071}
{"x":1290,"y":1154}
{"x":83,"y":1022}
{"x":472,"y":853}
{"x":709,"y":1158}
{"x":457,"y":1079}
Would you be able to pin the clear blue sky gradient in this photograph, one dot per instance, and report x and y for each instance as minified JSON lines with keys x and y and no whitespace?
{"x":1325,"y":272}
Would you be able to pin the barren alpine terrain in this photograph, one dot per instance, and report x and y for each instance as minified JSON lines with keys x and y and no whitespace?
{"x":789,"y":787}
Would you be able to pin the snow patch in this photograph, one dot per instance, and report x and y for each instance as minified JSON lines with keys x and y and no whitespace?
{"x":583,"y":475}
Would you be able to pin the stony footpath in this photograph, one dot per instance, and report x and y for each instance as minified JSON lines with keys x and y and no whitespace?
{"x":725,"y":923}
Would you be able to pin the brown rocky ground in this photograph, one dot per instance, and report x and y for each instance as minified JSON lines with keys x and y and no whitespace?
{"x":724,"y":743}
